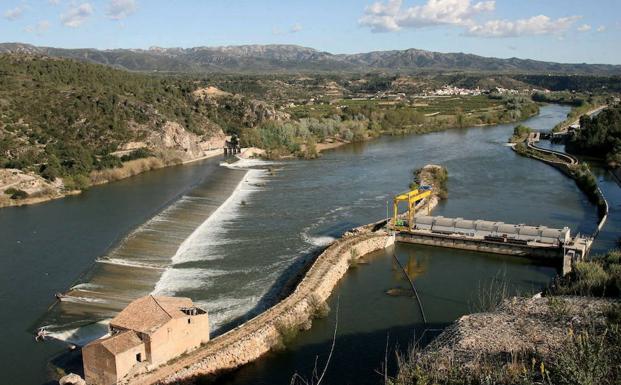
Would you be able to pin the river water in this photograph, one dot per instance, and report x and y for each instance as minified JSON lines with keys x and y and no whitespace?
{"x":228,"y":238}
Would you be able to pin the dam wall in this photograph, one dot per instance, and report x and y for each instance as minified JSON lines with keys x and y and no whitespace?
{"x":439,"y":240}
{"x":267,"y":331}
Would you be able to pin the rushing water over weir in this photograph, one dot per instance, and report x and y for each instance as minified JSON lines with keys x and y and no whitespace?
{"x":133,"y":268}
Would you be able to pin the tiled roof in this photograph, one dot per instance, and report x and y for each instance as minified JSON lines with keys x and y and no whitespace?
{"x":148,"y":313}
{"x":121,"y":342}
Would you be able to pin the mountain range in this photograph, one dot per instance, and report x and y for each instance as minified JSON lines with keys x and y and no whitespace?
{"x":292,"y":58}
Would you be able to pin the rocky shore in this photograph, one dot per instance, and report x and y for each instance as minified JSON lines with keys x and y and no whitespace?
{"x":172,"y":145}
{"x":496,"y":343}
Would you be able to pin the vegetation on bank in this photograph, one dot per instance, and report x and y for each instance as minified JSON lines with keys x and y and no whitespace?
{"x":581,"y":173}
{"x":435,"y":175}
{"x":520,"y":134}
{"x":63,"y":118}
{"x":354,"y":121}
{"x":600,"y":136}
{"x":580,"y":105}
{"x":588,"y":354}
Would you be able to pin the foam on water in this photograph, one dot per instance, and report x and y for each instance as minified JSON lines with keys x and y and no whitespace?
{"x":71,"y":298}
{"x":86,"y":286}
{"x":223,"y":310}
{"x":79,"y":336}
{"x":249,"y":163}
{"x":124,"y":262}
{"x":319,"y":241}
{"x":202,"y":244}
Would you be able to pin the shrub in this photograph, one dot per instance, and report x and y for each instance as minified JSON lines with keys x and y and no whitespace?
{"x":319,"y":308}
{"x":49,"y":172}
{"x":16,"y":193}
{"x":287,"y":332}
{"x":558,"y":307}
{"x":310,"y":151}
{"x":137,"y":154}
{"x":108,"y":161}
{"x":76,"y":182}
{"x":520,"y":133}
{"x":591,"y":279}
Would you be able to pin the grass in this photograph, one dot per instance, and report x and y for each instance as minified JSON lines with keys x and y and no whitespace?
{"x":491,"y":295}
{"x":353,"y":257}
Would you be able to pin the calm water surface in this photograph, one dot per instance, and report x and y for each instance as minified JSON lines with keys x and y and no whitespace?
{"x":231,"y":253}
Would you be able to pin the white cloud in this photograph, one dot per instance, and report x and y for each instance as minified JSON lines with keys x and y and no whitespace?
{"x":391,"y":16}
{"x":14,"y":14}
{"x":77,"y":15}
{"x":601,"y":28}
{"x":40,"y":28}
{"x":53,"y":2}
{"x":120,"y":9}
{"x":584,"y":28}
{"x":297,"y":27}
{"x":536,"y":25}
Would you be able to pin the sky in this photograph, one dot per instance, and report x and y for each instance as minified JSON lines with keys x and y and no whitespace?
{"x":576,"y":31}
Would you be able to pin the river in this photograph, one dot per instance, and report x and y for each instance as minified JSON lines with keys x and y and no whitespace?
{"x":149,"y":234}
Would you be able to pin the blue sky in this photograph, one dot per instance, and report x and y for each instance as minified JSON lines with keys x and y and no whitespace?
{"x":556,"y":30}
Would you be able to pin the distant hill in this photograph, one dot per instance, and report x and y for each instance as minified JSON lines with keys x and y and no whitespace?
{"x":292,"y":58}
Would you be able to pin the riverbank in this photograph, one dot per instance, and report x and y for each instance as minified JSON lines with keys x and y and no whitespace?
{"x":573,"y":118}
{"x":39,"y":190}
{"x":570,"y":166}
{"x":313,"y":151}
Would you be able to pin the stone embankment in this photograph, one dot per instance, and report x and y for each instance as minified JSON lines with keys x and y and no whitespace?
{"x":266,"y":332}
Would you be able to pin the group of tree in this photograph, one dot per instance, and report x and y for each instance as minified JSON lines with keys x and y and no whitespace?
{"x":600,"y":136}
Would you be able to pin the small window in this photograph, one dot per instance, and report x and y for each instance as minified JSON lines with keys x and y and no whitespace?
{"x":189,"y":320}
{"x":139,"y":357}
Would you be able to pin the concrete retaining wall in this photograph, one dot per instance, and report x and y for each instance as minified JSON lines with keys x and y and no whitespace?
{"x":565,"y":169}
{"x":482,"y":246}
{"x":258,"y":336}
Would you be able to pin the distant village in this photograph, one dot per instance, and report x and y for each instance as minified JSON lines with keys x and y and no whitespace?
{"x":446,"y":91}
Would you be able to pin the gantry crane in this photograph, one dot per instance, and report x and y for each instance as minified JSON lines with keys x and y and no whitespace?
{"x":411,"y":197}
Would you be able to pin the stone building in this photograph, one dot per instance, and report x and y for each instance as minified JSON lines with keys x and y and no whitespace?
{"x":147,"y":333}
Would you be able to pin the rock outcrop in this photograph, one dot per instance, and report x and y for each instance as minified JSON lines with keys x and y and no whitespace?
{"x":35,"y":188}
{"x":517,"y":326}
{"x":72,"y":379}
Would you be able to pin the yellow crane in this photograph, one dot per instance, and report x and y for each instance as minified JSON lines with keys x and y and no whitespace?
{"x":411,"y":197}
